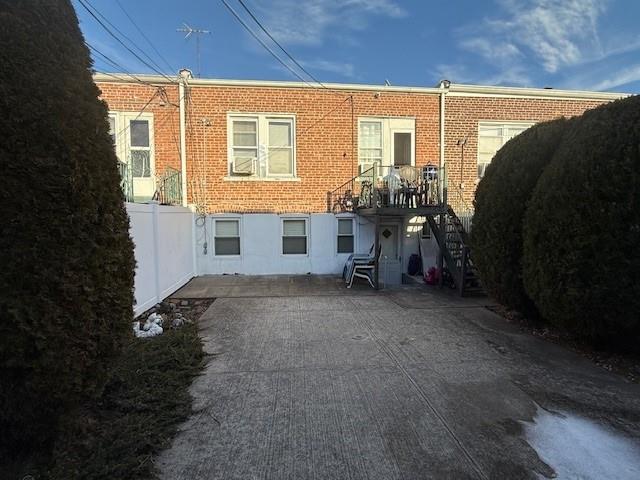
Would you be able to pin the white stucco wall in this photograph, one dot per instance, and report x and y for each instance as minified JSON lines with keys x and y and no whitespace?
{"x":261,"y":245}
{"x":164,"y":243}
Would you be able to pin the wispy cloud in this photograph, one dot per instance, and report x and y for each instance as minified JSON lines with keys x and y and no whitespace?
{"x":618,"y":78}
{"x":310,"y":22}
{"x":526,"y":36}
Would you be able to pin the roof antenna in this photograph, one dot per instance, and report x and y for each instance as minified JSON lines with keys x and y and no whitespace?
{"x":196,"y":32}
{"x":387,"y":83}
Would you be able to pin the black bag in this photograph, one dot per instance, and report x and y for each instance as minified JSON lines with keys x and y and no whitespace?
{"x":415,"y":264}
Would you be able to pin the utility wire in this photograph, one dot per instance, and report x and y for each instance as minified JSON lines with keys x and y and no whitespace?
{"x":257,"y":37}
{"x":115,"y":37}
{"x":171,"y":69}
{"x":279,"y":45}
{"x":116,"y":65}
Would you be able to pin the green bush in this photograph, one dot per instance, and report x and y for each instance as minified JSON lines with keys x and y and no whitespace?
{"x":500,"y":204}
{"x":67,"y":259}
{"x":582,"y":229}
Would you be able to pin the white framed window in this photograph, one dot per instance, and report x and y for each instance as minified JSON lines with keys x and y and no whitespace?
{"x":226,"y":237}
{"x":492,"y":136}
{"x":261,"y":145}
{"x":295,"y":236}
{"x":244,"y":145}
{"x":132,"y":137}
{"x":369,"y":143}
{"x":345,"y":235}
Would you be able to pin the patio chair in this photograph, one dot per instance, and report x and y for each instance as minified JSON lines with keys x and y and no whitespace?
{"x":394,"y":183}
{"x":348,"y":265}
{"x":364,"y":268}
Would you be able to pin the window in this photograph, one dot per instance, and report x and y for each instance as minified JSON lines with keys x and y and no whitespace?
{"x":244,"y":147}
{"x":345,"y":235}
{"x":280,"y":149}
{"x":139,"y":148}
{"x":370,"y":143}
{"x":491,"y":137}
{"x":261,"y":145}
{"x":294,"y":237}
{"x":227,"y":237}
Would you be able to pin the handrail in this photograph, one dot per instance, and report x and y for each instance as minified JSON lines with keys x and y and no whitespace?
{"x":169,"y":187}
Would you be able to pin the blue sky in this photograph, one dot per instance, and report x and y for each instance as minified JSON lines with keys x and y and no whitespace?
{"x":578,"y":44}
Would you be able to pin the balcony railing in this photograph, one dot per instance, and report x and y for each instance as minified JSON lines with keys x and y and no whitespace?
{"x":169,"y":187}
{"x":398,"y":187}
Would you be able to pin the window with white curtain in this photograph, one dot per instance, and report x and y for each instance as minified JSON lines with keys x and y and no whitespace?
{"x":261,"y":145}
{"x":294,"y":236}
{"x":491,"y":137}
{"x":227,"y":237}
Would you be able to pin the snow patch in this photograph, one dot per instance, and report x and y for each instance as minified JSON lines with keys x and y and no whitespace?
{"x":150,"y":328}
{"x":580,"y":449}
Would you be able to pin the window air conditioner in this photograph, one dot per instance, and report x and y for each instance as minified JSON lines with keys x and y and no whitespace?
{"x":243,"y":165}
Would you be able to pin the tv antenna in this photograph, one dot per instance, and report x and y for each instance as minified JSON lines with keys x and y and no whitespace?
{"x":197,"y":32}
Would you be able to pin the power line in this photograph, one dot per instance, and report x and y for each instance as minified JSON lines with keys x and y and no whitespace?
{"x":115,"y":64}
{"x":257,"y":37}
{"x":115,"y":37}
{"x":171,"y":69}
{"x":280,"y":46}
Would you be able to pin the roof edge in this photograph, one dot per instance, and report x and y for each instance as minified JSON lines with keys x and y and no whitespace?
{"x":222,"y":82}
{"x":495,"y":91}
{"x":455,"y":89}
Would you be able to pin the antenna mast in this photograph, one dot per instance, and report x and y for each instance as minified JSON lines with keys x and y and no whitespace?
{"x":188,"y":30}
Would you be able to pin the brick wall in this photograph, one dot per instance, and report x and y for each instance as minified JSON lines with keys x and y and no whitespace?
{"x":325,"y":154}
{"x":462,"y":115}
{"x":132,"y":98}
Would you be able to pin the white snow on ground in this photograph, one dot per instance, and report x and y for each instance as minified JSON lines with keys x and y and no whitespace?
{"x":151,"y":327}
{"x":580,"y":449}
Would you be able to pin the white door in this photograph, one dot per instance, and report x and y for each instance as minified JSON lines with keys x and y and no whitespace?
{"x":140,"y":157}
{"x":391,"y":254}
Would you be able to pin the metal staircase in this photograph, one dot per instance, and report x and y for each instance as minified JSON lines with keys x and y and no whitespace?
{"x":454,"y":245}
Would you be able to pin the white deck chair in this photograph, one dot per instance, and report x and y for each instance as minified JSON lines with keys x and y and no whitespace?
{"x":364,"y":268}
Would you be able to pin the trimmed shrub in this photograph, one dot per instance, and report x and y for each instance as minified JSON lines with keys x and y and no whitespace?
{"x":500,"y":204}
{"x":582,"y":229}
{"x":67,"y":259}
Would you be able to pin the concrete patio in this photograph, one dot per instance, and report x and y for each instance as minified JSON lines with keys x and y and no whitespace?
{"x":310,"y":380}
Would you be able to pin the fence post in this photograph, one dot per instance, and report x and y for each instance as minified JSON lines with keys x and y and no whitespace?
{"x":155,"y":216}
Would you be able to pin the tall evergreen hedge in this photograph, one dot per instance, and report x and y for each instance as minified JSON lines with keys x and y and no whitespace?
{"x":67,"y":258}
{"x":582,"y":228}
{"x":500,"y":204}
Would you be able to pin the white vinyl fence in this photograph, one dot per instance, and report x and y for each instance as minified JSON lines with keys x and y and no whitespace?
{"x":164,"y":251}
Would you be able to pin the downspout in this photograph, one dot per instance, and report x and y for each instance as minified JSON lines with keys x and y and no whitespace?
{"x":444,"y":89}
{"x":184,"y":79}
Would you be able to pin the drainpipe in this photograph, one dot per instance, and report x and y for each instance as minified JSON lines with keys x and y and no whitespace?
{"x":185,"y":75}
{"x":444,"y":89}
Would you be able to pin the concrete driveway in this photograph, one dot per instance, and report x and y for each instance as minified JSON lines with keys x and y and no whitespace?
{"x":310,"y":380}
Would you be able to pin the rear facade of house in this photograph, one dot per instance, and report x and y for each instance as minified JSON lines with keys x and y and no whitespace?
{"x":270,"y":166}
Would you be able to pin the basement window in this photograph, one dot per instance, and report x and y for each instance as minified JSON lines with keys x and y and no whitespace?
{"x":345,"y":235}
{"x":227,"y":237}
{"x":294,"y":237}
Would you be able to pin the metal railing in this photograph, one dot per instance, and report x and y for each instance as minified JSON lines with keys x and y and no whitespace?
{"x":389,"y":186}
{"x":169,"y":188}
{"x":126,"y":181}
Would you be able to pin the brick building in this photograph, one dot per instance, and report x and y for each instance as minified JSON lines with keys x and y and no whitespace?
{"x":258,"y":158}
